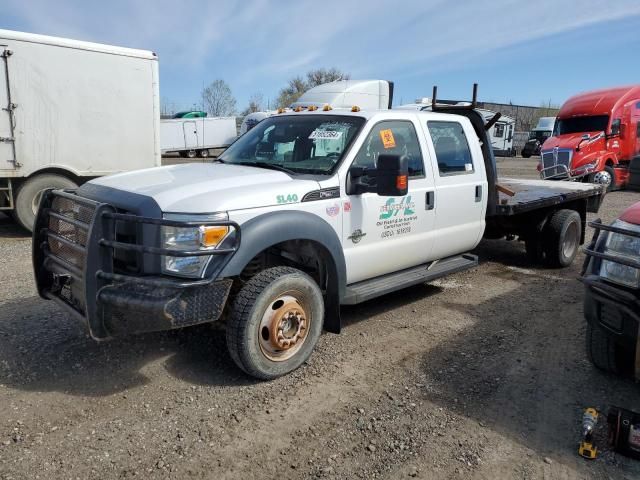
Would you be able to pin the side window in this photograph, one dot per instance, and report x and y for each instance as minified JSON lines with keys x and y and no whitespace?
{"x":395,"y":137}
{"x":451,"y":146}
{"x":498,"y":130}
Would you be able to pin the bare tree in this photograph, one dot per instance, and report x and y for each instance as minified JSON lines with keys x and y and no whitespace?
{"x":218,"y":99}
{"x":256,"y":104}
{"x":298,"y":85}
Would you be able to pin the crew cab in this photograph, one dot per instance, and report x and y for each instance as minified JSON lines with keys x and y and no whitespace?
{"x":611,"y":276}
{"x":596,"y":138}
{"x":307,"y":211}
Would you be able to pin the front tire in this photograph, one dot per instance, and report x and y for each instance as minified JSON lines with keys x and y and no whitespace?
{"x":275,"y":322}
{"x":562,"y":238}
{"x":30,"y":192}
{"x":525,"y":154}
{"x":204,"y":153}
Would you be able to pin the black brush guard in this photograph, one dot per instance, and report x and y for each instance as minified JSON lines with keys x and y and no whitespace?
{"x":74,"y":247}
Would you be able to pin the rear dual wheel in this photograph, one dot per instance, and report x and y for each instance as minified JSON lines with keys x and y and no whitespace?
{"x":29,"y":194}
{"x":275,"y":322}
{"x":559,"y":241}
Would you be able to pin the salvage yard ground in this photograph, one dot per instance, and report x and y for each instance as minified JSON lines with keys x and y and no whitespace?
{"x":480,"y":375}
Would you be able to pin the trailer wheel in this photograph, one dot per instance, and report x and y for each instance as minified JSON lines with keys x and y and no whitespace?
{"x":525,"y":155}
{"x":192,"y":154}
{"x":30,"y":192}
{"x":203,"y":153}
{"x":275,"y":322}
{"x":562,"y":238}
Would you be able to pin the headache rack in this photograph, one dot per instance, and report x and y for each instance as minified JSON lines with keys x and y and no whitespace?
{"x":76,"y":243}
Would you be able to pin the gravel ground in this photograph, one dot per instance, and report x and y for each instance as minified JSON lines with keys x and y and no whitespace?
{"x":480,"y":375}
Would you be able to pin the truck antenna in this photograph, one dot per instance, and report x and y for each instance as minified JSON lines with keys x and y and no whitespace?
{"x":474,"y":100}
{"x":433,"y":97}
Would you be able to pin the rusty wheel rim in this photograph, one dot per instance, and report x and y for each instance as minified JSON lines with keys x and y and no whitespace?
{"x":283,"y":327}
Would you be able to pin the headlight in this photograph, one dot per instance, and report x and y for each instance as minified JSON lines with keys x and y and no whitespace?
{"x":190,"y":239}
{"x":625,"y":247}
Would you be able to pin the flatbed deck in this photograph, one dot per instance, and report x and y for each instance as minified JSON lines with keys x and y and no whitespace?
{"x":535,"y":194}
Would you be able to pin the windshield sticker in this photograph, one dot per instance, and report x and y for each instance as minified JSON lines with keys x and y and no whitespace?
{"x":333,"y":210}
{"x":388,"y":141}
{"x":325,"y":135}
{"x":291,"y":198}
{"x":347,"y":207}
{"x":396,"y":218}
{"x":468,"y":167}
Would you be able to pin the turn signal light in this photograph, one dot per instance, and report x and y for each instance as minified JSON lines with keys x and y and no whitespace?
{"x":355,"y":108}
{"x":326,"y":108}
{"x":281,"y":110}
{"x":297,"y":109}
{"x":401,"y":182}
{"x":212,"y":236}
{"x":312,"y":108}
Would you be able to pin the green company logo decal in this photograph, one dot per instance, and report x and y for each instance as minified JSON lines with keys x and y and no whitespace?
{"x":391,"y":208}
{"x":291,"y":198}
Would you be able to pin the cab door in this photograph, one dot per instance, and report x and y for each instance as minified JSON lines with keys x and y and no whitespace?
{"x":387,"y":234}
{"x":461,"y":187}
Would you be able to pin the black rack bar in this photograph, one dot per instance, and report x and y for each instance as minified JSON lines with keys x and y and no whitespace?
{"x":64,"y":218}
{"x":613,"y":258}
{"x":611,"y":228}
{"x":74,"y":246}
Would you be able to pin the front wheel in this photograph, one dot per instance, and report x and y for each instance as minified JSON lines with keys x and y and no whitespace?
{"x":203,"y":153}
{"x":525,"y":154}
{"x":275,"y":322}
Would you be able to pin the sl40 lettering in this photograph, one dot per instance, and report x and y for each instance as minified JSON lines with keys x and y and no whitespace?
{"x":291,"y":198}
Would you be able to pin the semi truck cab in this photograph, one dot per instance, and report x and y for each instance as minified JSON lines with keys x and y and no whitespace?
{"x":596,"y":137}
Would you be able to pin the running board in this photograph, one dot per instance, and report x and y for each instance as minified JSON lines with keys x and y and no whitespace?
{"x":368,"y":289}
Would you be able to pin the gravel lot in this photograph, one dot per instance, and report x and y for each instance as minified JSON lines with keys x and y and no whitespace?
{"x":480,"y":375}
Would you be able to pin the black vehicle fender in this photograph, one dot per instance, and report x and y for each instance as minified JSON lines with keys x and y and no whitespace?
{"x":269,"y":229}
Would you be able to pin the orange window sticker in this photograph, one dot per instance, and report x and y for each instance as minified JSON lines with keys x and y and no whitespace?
{"x":387,"y":138}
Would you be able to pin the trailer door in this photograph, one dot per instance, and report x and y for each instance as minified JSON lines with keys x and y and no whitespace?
{"x":190,"y":135}
{"x":7,"y":146}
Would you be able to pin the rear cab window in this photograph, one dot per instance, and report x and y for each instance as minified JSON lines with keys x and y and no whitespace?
{"x":451,"y":147}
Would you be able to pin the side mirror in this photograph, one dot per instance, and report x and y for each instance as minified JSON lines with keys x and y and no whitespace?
{"x":615,"y":127}
{"x":392,"y":176}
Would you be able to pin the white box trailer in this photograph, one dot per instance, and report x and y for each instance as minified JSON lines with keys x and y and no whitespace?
{"x":71,"y":111}
{"x":191,"y":137}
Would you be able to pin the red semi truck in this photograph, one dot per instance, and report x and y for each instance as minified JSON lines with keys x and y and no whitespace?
{"x":596,"y":138}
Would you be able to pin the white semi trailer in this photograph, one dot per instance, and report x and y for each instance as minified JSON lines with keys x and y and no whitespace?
{"x":71,"y":111}
{"x":192,"y":137}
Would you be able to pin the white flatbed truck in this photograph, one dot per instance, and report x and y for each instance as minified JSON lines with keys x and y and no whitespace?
{"x":306,"y":212}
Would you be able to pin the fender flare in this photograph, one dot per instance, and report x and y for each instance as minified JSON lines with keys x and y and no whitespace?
{"x":264,"y":231}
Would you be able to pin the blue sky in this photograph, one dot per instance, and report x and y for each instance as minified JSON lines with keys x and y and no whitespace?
{"x":520,"y":51}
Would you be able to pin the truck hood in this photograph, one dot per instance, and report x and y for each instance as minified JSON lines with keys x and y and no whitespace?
{"x":632,"y":214}
{"x":571,"y":140}
{"x":210,"y":187}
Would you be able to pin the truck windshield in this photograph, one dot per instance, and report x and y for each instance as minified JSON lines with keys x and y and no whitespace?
{"x":540,"y":135}
{"x":594,"y":123}
{"x":312,"y":144}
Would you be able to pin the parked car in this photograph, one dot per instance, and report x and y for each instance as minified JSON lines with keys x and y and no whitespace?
{"x":611,"y":276}
{"x":596,"y":136}
{"x":537,"y":136}
{"x":307,"y":211}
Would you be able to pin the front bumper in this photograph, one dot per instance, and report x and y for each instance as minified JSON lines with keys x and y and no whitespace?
{"x":76,"y":250}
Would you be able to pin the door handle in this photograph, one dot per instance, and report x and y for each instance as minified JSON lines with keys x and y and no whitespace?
{"x":430,"y":200}
{"x":478,"y":193}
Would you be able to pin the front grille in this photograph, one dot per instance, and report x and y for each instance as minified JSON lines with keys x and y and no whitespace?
{"x":69,"y":223}
{"x":554,"y":161}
